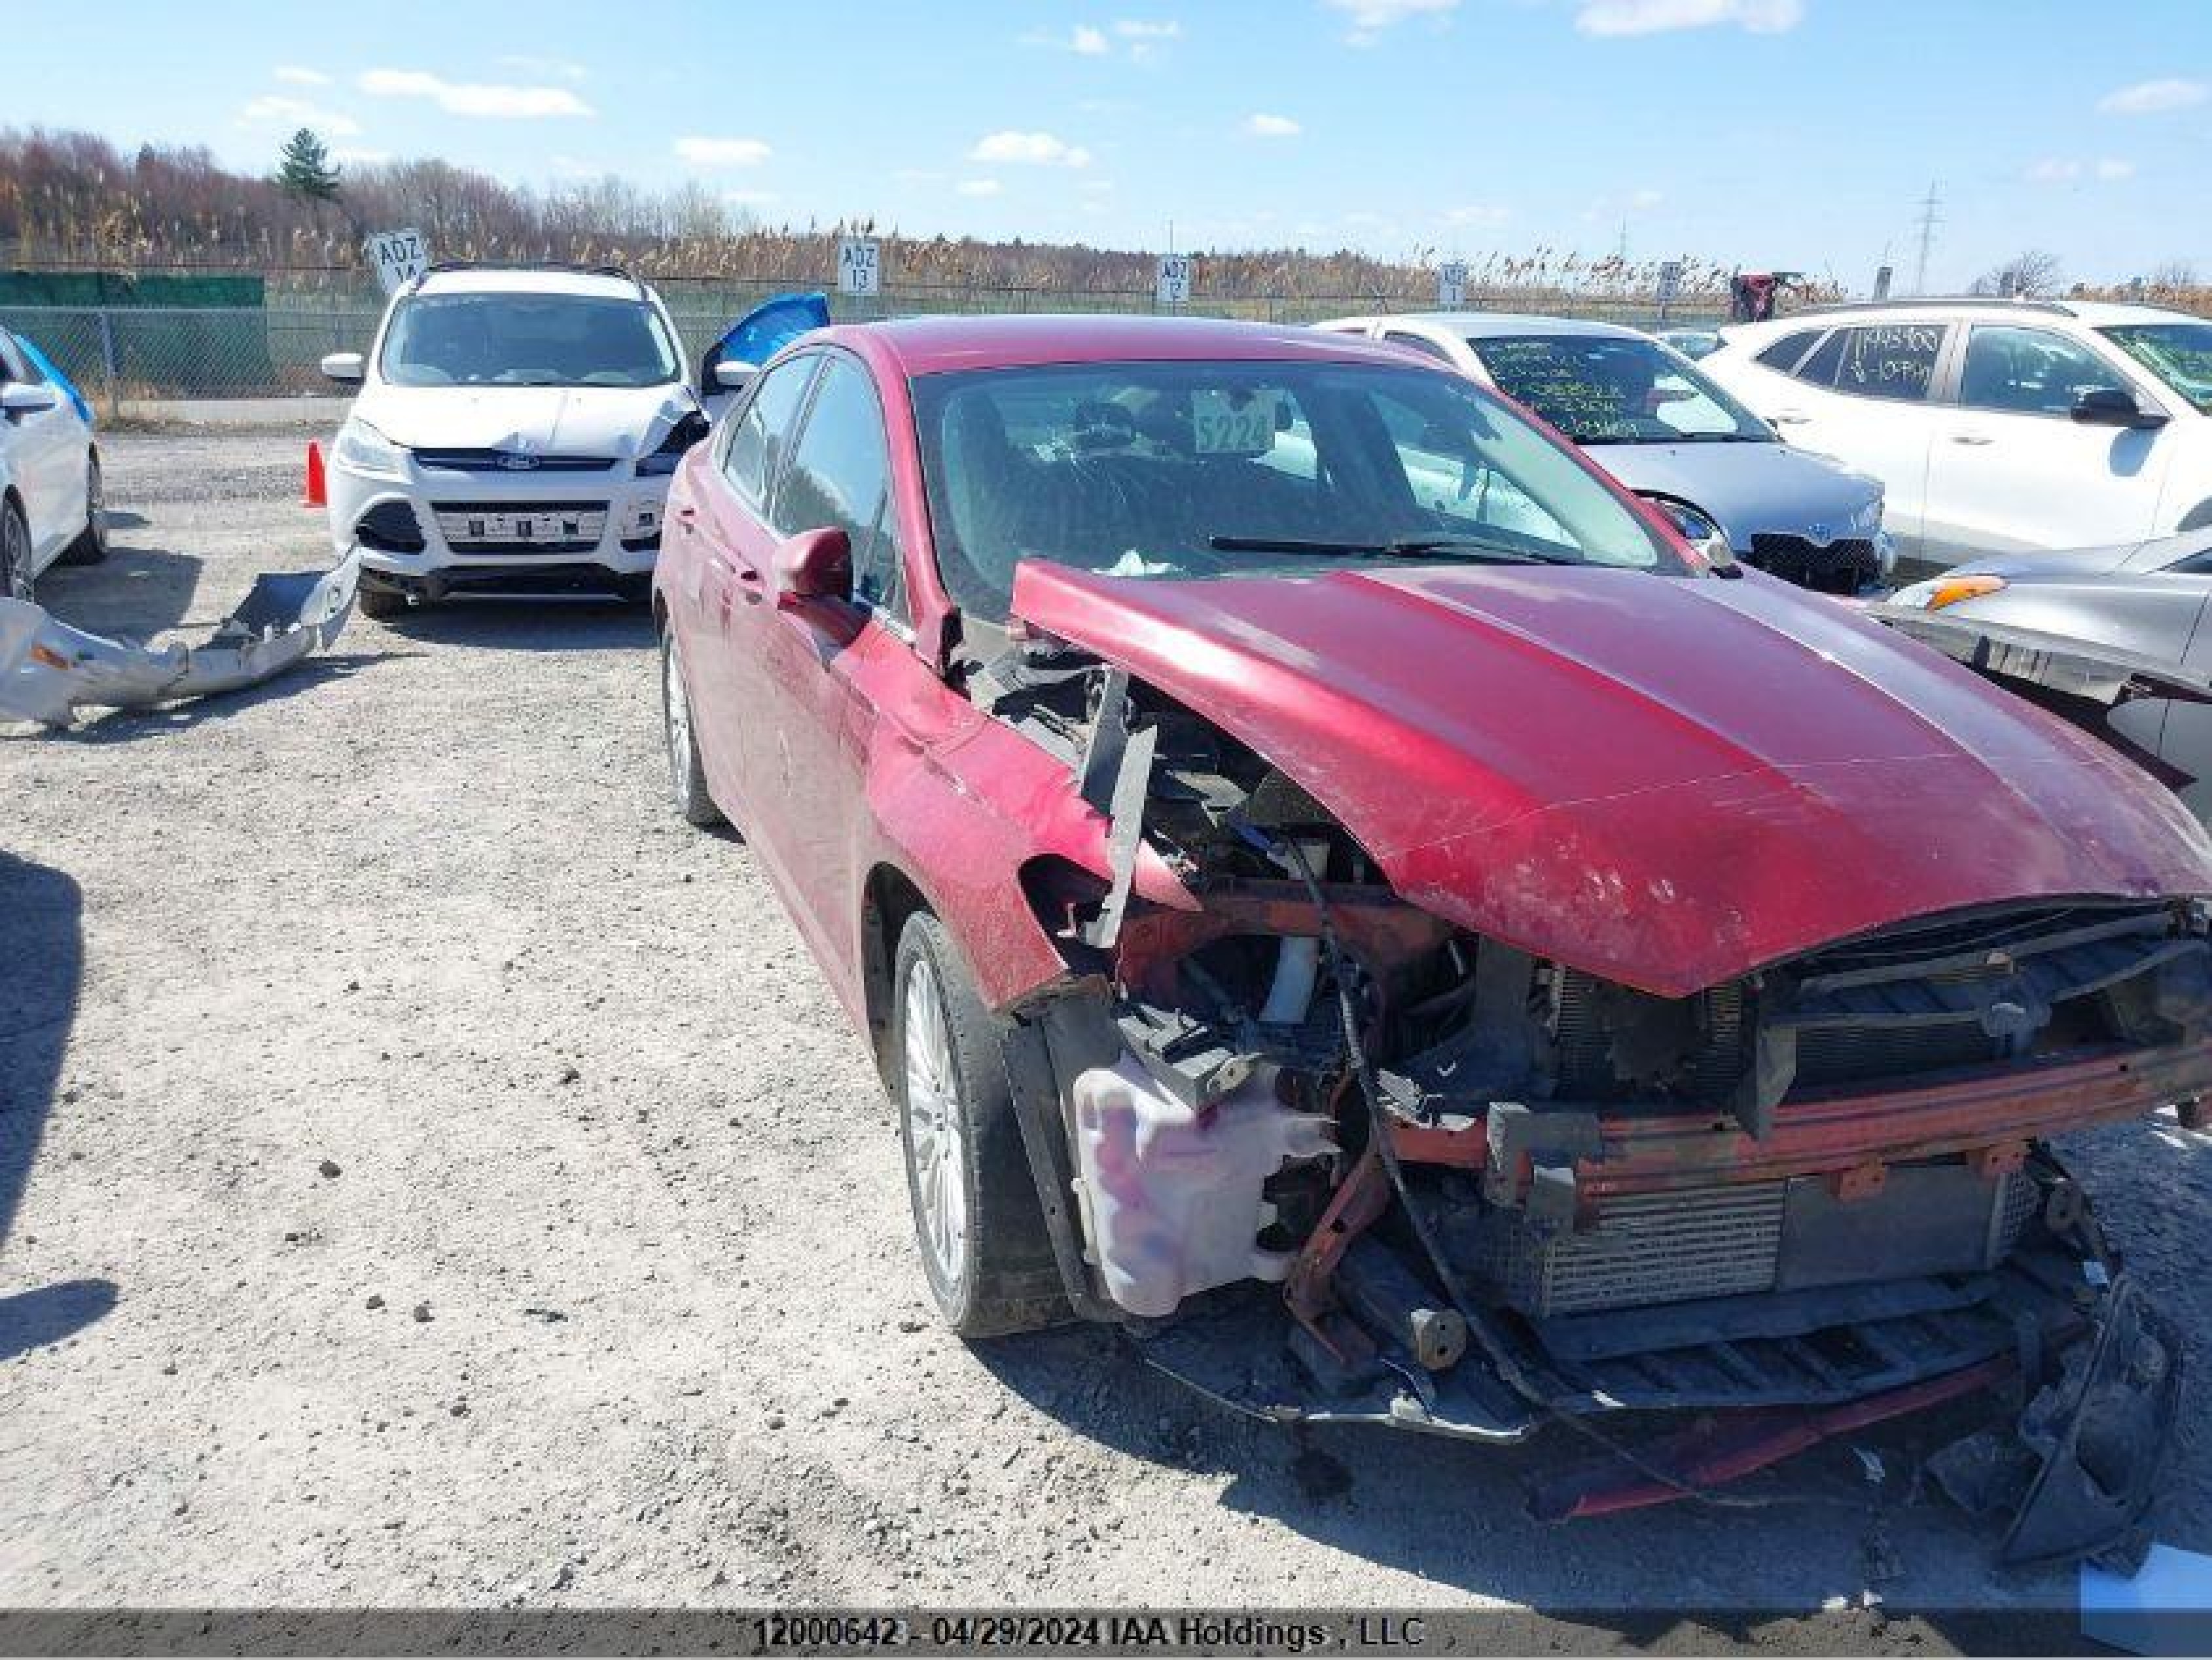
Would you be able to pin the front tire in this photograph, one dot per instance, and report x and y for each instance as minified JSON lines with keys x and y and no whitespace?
{"x":977,"y":1219}
{"x":15,"y":554}
{"x":91,"y":544}
{"x":687,"y":773}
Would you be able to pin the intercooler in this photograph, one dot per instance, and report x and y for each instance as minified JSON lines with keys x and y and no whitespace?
{"x":1733,"y":1240}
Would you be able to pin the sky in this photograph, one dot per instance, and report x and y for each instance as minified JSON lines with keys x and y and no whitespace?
{"x":1791,"y":134}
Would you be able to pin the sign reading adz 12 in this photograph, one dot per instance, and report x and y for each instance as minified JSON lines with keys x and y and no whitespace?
{"x":1171,"y":279}
{"x":1451,"y":285}
{"x":398,"y":257}
{"x":859,"y":265}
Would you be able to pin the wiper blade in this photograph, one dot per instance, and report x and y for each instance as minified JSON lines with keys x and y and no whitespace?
{"x":1405,"y":547}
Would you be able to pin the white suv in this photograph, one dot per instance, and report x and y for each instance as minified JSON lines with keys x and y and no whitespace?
{"x":515,"y":432}
{"x":1997,"y":425}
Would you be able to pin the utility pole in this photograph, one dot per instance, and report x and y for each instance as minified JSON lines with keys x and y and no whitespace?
{"x":1930,"y":216}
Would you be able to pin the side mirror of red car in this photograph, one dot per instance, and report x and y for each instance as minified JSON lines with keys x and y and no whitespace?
{"x":815,"y":564}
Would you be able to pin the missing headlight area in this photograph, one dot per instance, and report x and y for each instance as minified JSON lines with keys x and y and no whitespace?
{"x":1334,"y":1157}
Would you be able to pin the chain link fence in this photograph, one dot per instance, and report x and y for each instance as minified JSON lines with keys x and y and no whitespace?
{"x":126,"y":357}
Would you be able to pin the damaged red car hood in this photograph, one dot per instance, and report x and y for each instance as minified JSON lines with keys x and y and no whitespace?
{"x":1665,"y":782}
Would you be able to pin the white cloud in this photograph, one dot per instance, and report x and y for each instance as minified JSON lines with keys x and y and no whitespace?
{"x":295,"y":75}
{"x":2060,"y":170}
{"x":1131,"y":28}
{"x":750,"y":198}
{"x":1370,"y":18}
{"x":1272,"y":126}
{"x":1609,"y":17}
{"x":723,"y":152}
{"x":1477,"y":213}
{"x":274,"y":110}
{"x":353,"y":156}
{"x":1087,"y":42}
{"x":1644,"y":200}
{"x":475,"y":98}
{"x":978,"y":188}
{"x":1037,"y":149}
{"x":2154,"y":97}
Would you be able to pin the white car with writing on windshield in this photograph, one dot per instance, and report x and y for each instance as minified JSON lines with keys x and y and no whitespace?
{"x":514,"y":432}
{"x":1999,"y":426}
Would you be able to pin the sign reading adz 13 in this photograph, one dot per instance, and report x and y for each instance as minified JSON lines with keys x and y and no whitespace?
{"x":859,"y":265}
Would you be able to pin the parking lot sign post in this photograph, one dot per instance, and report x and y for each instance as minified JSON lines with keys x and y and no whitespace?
{"x":398,"y":257}
{"x":1451,"y":285}
{"x":1171,"y":280}
{"x":1670,"y":286}
{"x":860,"y":267}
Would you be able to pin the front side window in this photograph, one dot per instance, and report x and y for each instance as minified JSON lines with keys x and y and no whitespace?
{"x":2179,"y":354}
{"x":526,"y":340}
{"x":1601,"y":389}
{"x":1892,"y":360}
{"x":758,"y":438}
{"x":2029,"y":371}
{"x":839,"y":477}
{"x":1188,"y":471}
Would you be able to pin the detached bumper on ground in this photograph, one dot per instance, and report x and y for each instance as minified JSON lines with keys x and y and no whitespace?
{"x":49,"y":671}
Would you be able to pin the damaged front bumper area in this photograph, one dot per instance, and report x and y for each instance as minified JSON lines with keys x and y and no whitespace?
{"x":1331,"y":1159}
{"x":49,"y":671}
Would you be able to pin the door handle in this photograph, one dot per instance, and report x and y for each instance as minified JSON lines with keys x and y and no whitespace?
{"x":1973,"y":438}
{"x":687,"y":517}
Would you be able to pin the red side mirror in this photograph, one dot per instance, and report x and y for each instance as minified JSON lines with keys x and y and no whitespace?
{"x":815,"y":564}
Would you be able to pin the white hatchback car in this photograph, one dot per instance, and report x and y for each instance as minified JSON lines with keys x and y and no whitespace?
{"x":1998,"y":426}
{"x":50,"y":489}
{"x":515,"y":432}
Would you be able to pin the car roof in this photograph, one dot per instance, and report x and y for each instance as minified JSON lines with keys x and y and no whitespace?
{"x":1500,"y":325}
{"x":945,"y":345}
{"x":525,"y":279}
{"x":2094,"y":313}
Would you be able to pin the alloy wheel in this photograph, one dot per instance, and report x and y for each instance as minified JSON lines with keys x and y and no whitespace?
{"x":936,"y":1127}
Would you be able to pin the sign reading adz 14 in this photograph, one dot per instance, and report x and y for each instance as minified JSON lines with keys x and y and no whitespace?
{"x":398,"y":257}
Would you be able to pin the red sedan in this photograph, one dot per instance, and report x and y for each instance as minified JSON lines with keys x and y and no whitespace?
{"x":1337,"y":886}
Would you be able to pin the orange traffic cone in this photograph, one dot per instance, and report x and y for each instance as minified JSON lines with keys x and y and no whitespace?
{"x":318,"y":495}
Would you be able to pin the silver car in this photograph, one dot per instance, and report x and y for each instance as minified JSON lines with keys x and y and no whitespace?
{"x":1655,"y":422}
{"x":2119,"y":639}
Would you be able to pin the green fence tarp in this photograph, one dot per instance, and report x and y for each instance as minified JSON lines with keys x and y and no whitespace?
{"x":116,"y":288}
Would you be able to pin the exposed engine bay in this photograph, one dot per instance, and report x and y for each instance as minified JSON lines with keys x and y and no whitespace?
{"x":1332,"y":1158}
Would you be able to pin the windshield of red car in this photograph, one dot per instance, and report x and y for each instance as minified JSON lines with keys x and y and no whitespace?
{"x":1147,"y":468}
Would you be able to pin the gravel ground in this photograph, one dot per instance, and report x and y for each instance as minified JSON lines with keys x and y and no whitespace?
{"x":432,"y":1175}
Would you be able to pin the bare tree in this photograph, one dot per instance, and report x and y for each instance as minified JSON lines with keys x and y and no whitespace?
{"x":2034,"y":275}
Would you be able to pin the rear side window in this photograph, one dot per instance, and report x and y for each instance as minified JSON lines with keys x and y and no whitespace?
{"x":765,"y":427}
{"x":1891,"y":361}
{"x":839,"y":477}
{"x":1783,"y":354}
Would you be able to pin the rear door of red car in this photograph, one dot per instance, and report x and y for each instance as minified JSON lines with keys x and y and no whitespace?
{"x":812,"y":651}
{"x":735,"y":578}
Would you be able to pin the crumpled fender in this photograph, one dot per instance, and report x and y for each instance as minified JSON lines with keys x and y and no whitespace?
{"x":49,"y":671}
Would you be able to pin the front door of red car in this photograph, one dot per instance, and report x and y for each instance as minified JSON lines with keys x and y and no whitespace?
{"x":735,"y":555}
{"x":815,"y":722}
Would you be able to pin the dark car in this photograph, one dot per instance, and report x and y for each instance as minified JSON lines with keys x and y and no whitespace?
{"x":1407,"y":962}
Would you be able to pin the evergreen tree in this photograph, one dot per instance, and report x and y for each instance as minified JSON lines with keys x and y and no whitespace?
{"x":304,"y":169}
